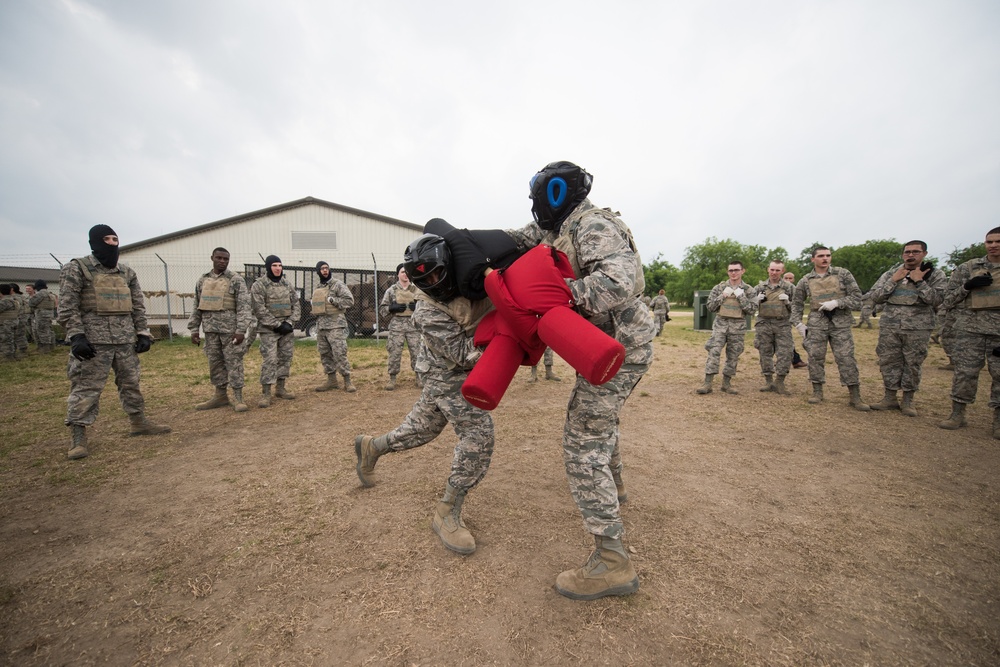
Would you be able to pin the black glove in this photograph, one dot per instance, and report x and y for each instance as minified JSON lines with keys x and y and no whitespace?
{"x":982,"y":280}
{"x":412,"y":305}
{"x":926,"y":266}
{"x":396,"y":308}
{"x":142,"y":344}
{"x":82,"y":349}
{"x":283,"y":328}
{"x":666,"y":318}
{"x":996,"y":352}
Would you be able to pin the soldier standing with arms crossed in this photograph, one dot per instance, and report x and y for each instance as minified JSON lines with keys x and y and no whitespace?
{"x":399,"y":302}
{"x":733,"y":300}
{"x":275,"y":305}
{"x":773,"y":337}
{"x":329,"y":301}
{"x":222,"y":309}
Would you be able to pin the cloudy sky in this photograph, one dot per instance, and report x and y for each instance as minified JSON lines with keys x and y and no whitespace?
{"x":769,"y":122}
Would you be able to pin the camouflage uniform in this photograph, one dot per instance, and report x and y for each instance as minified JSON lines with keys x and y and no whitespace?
{"x":867,"y":306}
{"x":449,"y":355}
{"x":23,"y":326}
{"x":773,"y":331}
{"x":43,"y":310}
{"x":9,"y":315}
{"x":401,"y":327}
{"x":946,"y":332}
{"x":660,"y":306}
{"x":221,"y":322}
{"x":728,"y":332}
{"x":835,"y":328}
{"x":907,"y":321}
{"x":113,"y":337}
{"x":331,"y":326}
{"x":976,"y":331}
{"x":608,"y":293}
{"x":269,"y":301}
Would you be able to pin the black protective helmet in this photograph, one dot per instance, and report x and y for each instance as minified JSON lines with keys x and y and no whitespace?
{"x":556,"y":190}
{"x":428,"y":264}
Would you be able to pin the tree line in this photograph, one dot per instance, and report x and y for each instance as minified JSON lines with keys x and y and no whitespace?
{"x":704,"y":265}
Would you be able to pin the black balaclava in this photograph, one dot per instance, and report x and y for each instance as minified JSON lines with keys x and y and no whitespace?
{"x":15,"y":288}
{"x":272,"y":259}
{"x":40,"y":285}
{"x":320,"y":265}
{"x":105,"y":254}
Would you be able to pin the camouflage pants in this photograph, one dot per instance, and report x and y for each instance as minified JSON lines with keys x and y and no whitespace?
{"x":225,"y":360}
{"x":900,"y":357}
{"x":947,"y":335}
{"x":591,"y":449}
{"x":865,"y":318}
{"x":730,"y":333}
{"x":661,"y":320}
{"x":87,"y":380}
{"x":842,"y":343}
{"x":276,"y":356}
{"x":332,"y":346}
{"x":22,"y":336}
{"x":43,"y":330}
{"x":401,"y":330}
{"x":773,"y":339}
{"x":441,"y":403}
{"x":548,"y":358}
{"x":971,"y":351}
{"x":8,"y":338}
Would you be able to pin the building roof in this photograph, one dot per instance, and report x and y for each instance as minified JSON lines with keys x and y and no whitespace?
{"x":28,"y":275}
{"x":305,"y":201}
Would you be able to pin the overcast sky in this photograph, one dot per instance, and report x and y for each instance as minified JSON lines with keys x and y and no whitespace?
{"x":771,"y":123}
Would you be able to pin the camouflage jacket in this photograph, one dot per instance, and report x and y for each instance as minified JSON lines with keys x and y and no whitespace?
{"x":901,"y":315}
{"x":786,"y":287}
{"x":747,"y":305}
{"x":10,"y":304}
{"x":43,"y":301}
{"x":607,"y":290}
{"x":104,"y":329}
{"x":223,"y":321}
{"x":956,"y":300}
{"x":264,"y":292}
{"x":447,"y":350}
{"x":660,"y":304}
{"x":396,"y":294}
{"x":25,"y":315}
{"x":340,"y":297}
{"x":842,"y":317}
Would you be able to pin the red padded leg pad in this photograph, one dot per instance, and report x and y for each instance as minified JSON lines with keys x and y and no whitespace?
{"x":493,"y":373}
{"x":594,"y":354}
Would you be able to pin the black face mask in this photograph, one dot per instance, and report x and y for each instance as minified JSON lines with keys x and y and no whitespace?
{"x":319,"y":272}
{"x":272,"y":259}
{"x":106,"y":254}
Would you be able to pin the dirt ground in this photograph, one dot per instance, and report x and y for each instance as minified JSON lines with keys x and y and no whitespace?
{"x":765,"y":531}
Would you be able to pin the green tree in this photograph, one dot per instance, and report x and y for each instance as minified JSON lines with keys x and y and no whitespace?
{"x":704,"y":265}
{"x":660,"y":275}
{"x":960,"y":256}
{"x":869,"y":260}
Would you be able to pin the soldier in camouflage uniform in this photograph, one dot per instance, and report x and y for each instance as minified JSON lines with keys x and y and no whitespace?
{"x":733,"y":300}
{"x":946,"y":332}
{"x":43,"y":304}
{"x":329,"y":301}
{"x":10,"y":312}
{"x":833,"y":294}
{"x":222,"y":309}
{"x":24,"y":315}
{"x":104,"y":315}
{"x":867,"y":308}
{"x":276,"y":306}
{"x":608,"y":292}
{"x":447,"y":323}
{"x":399,"y":302}
{"x":661,"y":310}
{"x":773,"y":333}
{"x":908,"y":293}
{"x":973,"y":294}
{"x":548,"y":358}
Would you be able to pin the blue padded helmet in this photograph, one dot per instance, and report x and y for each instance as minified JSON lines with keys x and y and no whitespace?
{"x":556,"y":190}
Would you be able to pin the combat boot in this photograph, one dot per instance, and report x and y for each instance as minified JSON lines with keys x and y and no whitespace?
{"x":448,"y":524}
{"x":331,"y":383}
{"x":726,"y":387}
{"x":265,"y":396}
{"x":534,"y":374}
{"x":620,"y":488}
{"x":779,"y":385}
{"x":348,"y":385}
{"x":906,"y":407}
{"x":768,"y":383}
{"x":142,"y":426}
{"x":707,"y":387}
{"x":996,"y":424}
{"x":391,"y":384}
{"x":368,"y":450}
{"x":78,"y":443}
{"x":238,"y":404}
{"x":549,"y":375}
{"x":890,"y":402}
{"x":855,"y":400}
{"x":608,"y":571}
{"x":220,"y":400}
{"x":957,"y":419}
{"x":817,"y":396}
{"x":281,"y":392}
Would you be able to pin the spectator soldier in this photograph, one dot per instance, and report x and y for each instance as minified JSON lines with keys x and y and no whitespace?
{"x":661,"y":310}
{"x":773,"y":337}
{"x":329,"y":301}
{"x":43,"y":305}
{"x":23,"y":317}
{"x":733,"y":300}
{"x":275,"y":305}
{"x":548,"y":359}
{"x":10,"y":313}
{"x":399,"y":302}
{"x":796,"y":357}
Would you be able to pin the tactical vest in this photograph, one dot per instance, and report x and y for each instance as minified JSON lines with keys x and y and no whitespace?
{"x":48,"y":303}
{"x":404,"y":297}
{"x":905,"y":294}
{"x":320,"y":305}
{"x":11,"y":314}
{"x":826,"y":288}
{"x":987,"y":298}
{"x":104,"y":293}
{"x":772,"y":308}
{"x":731,"y":308}
{"x":278,"y":299}
{"x":567,"y":237}
{"x":466,"y":313}
{"x":215,"y":295}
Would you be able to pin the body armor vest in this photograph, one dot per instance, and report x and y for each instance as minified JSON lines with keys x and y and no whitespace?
{"x":278,"y":299}
{"x":565,"y":242}
{"x":731,"y":308}
{"x":104,"y":293}
{"x":11,"y":314}
{"x":823,"y":289}
{"x":215,"y":294}
{"x":771,"y":308}
{"x":320,"y":305}
{"x":466,"y":313}
{"x":987,"y":298}
{"x":404,"y":297}
{"x":905,"y":294}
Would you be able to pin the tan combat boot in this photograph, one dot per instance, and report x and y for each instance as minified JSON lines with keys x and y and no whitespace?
{"x":620,"y":488}
{"x":391,"y":384}
{"x":727,"y":387}
{"x":448,"y":524}
{"x":608,"y":571}
{"x":768,"y":383}
{"x":281,"y":392}
{"x":368,"y":450}
{"x":549,"y":375}
{"x":889,"y":402}
{"x":142,"y":426}
{"x":707,"y":387}
{"x":238,"y":404}
{"x":331,"y":383}
{"x":855,"y":400}
{"x":78,"y":443}
{"x":906,"y":407}
{"x":348,"y":385}
{"x":220,"y":400}
{"x":779,"y":385}
{"x":957,"y":419}
{"x":817,"y":396}
{"x":534,"y":374}
{"x":265,"y":396}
